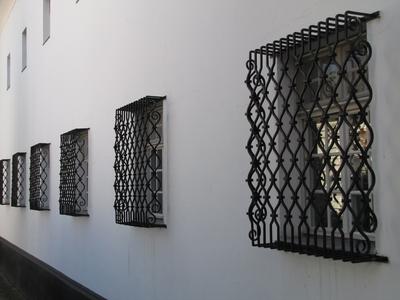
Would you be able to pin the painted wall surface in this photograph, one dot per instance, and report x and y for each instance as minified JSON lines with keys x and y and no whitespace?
{"x":103,"y":54}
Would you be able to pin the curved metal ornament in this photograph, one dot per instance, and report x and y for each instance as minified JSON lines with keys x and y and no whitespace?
{"x":74,"y":173}
{"x":286,"y":97}
{"x":137,"y":186}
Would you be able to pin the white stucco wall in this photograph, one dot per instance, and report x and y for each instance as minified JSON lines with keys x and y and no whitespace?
{"x":103,"y":54}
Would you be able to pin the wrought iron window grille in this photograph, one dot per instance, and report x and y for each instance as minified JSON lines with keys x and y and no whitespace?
{"x":74,"y":173}
{"x":139,"y":163}
{"x":5,"y":182}
{"x":18,"y":179}
{"x":311,"y":177}
{"x":39,"y":177}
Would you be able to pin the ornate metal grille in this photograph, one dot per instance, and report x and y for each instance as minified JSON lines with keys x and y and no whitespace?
{"x":311,"y":176}
{"x":138,"y":163}
{"x":5,"y":181}
{"x":74,"y":173}
{"x":18,"y":179}
{"x":39,"y":177}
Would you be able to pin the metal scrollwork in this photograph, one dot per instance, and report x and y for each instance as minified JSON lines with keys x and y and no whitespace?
{"x":4,"y":181}
{"x":18,"y":180}
{"x":311,"y":179}
{"x":138,"y":163}
{"x":39,"y":175}
{"x":74,"y":173}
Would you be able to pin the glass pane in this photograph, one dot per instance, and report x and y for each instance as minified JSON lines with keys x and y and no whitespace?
{"x":160,"y":201}
{"x":321,"y":138}
{"x":318,"y":174}
{"x":156,"y":182}
{"x":361,"y":172}
{"x":359,"y":132}
{"x":331,"y":70}
{"x":159,"y":180}
{"x":320,"y":217}
{"x":153,"y":160}
{"x":310,"y":69}
{"x":337,"y":204}
{"x":354,"y":77}
{"x":156,"y":205}
{"x":334,"y":175}
{"x":333,"y":136}
{"x":155,"y":135}
{"x":159,"y":159}
{"x":309,"y":80}
{"x":361,"y":210}
{"x":363,"y":135}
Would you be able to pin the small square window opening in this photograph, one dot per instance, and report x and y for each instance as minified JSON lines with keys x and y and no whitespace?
{"x":24,"y":50}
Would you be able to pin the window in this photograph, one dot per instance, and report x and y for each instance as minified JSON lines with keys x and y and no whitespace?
{"x":18,"y":179}
{"x":39,"y":177}
{"x":46,"y":20}
{"x":8,"y":71}
{"x":140,"y":164}
{"x":311,"y":174}
{"x":24,"y":49}
{"x":335,"y":135}
{"x":74,"y":173}
{"x":5,"y":181}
